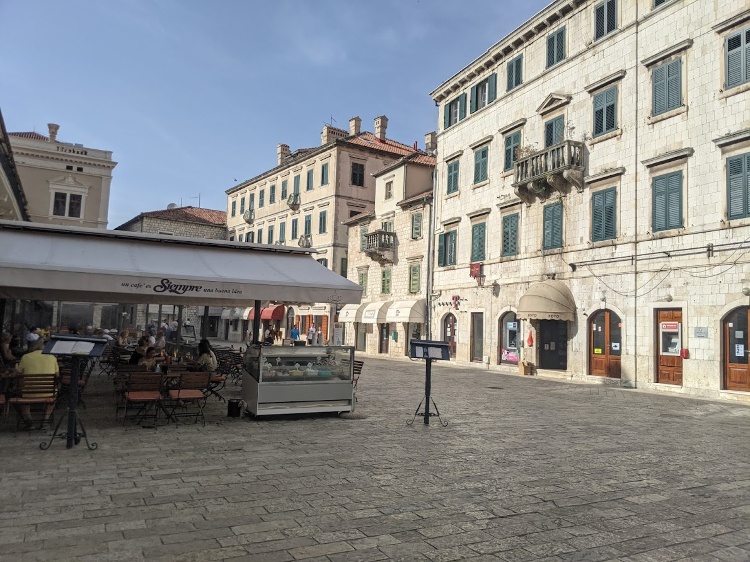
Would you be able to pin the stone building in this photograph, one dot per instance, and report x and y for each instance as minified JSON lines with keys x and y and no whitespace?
{"x":65,"y":183}
{"x":388,"y":257}
{"x":304,"y":201}
{"x":592,"y":196}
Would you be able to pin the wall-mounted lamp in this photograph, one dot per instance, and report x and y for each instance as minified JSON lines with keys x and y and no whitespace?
{"x":746,"y":291}
{"x":668,"y":298}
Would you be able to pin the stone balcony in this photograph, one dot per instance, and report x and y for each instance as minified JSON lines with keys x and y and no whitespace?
{"x":553,"y":168}
{"x":380,"y":245}
{"x":293,"y":201}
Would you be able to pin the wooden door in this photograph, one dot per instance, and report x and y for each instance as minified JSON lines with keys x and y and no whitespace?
{"x":477,"y":336}
{"x":668,"y":367}
{"x":384,"y":336}
{"x":736,"y":369}
{"x":449,"y":333}
{"x":605,"y":344}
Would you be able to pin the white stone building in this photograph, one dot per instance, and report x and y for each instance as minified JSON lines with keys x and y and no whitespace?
{"x":594,"y":175}
{"x":388,"y":257}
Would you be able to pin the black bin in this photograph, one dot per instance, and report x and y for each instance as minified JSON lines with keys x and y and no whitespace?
{"x":234,"y":408}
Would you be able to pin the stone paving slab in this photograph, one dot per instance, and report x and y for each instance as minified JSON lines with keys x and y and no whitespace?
{"x":527,"y":469}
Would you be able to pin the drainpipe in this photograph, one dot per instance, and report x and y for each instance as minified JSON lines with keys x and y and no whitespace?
{"x":430,"y":257}
{"x":635,"y":210}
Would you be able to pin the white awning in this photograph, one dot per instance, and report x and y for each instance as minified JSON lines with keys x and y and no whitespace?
{"x":548,"y":300}
{"x":352,"y":312}
{"x":49,"y":262}
{"x":407,"y":311}
{"x":226,"y":314}
{"x":374,"y":312}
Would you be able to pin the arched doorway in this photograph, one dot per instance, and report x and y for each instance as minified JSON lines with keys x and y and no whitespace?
{"x":508,"y":330}
{"x":605,"y":344}
{"x":736,"y":369}
{"x":450,"y":324}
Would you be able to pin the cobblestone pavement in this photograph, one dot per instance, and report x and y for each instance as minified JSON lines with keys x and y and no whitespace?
{"x":527,"y":469}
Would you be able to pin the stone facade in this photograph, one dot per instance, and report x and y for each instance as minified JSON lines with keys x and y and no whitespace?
{"x":623,"y":202}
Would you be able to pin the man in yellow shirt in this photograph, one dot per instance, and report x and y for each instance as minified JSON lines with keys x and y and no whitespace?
{"x":37,"y":363}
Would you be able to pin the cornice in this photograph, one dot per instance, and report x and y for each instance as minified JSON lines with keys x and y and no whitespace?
{"x":668,"y":52}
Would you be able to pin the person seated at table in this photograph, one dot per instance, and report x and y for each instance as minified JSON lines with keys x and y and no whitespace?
{"x":148,"y":360}
{"x":161,"y":341}
{"x":139,"y":352}
{"x":37,"y":363}
{"x":5,"y":351}
{"x":206,"y":358}
{"x":122,"y":339}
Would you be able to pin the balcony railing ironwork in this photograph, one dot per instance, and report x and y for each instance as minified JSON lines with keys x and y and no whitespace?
{"x":380,"y":245}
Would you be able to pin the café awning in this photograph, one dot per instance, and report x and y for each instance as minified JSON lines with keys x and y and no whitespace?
{"x":49,"y":262}
{"x":352,"y":312}
{"x":548,"y":300}
{"x":406,"y":311}
{"x":269,"y":313}
{"x":374,"y":312}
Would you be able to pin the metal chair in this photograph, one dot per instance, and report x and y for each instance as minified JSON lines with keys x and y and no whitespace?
{"x":143,"y":389}
{"x":190,"y":388}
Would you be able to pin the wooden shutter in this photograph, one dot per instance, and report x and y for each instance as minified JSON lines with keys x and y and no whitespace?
{"x":477,"y":242}
{"x":734,"y":49}
{"x":674,"y":84}
{"x":461,"y":106}
{"x":508,"y":152}
{"x":610,"y":109}
{"x":447,"y":115}
{"x":611,"y":15}
{"x":610,"y":214}
{"x":362,"y":237}
{"x":451,"y":248}
{"x":597,"y":217}
{"x":550,"y":50}
{"x":416,"y":226}
{"x":659,"y":210}
{"x":560,"y":46}
{"x":737,"y":187}
{"x":473,"y":99}
{"x":510,"y":235}
{"x":553,"y":226}
{"x":441,"y":250}
{"x":659,"y":78}
{"x":477,"y":166}
{"x":518,"y":74}
{"x":599,"y":104}
{"x":491,"y":88}
{"x":600,"y":21}
{"x":559,"y":129}
{"x":414,"y":278}
{"x":511,"y":75}
{"x":324,"y":174}
{"x":296,"y":184}
{"x":547,"y":219}
{"x":674,"y":200}
{"x":554,"y":131}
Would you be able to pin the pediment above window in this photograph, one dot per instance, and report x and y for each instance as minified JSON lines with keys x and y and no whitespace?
{"x":69,"y":183}
{"x":554,"y":101}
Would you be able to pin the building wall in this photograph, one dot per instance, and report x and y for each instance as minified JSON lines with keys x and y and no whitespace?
{"x":177,"y":228}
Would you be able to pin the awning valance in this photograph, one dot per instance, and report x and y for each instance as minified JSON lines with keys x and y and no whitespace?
{"x":375,"y":312}
{"x":548,"y":300}
{"x":269,"y":313}
{"x":352,"y":312}
{"x":406,"y":311}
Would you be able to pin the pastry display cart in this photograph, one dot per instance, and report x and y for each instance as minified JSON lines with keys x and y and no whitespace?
{"x":294,"y":380}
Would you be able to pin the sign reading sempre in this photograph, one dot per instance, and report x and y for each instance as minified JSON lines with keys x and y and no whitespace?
{"x":168,"y":286}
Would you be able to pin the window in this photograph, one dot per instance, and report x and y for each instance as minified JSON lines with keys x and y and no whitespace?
{"x":344,"y":266}
{"x":67,"y":205}
{"x":387,"y":226}
{"x":454,"y":111}
{"x":603,"y":215}
{"x":323,"y":262}
{"x":385,"y":281}
{"x":310,"y":177}
{"x":553,"y":226}
{"x":74,"y":205}
{"x":738,"y":58}
{"x":249,"y":237}
{"x":242,"y":205}
{"x":270,"y":234}
{"x":738,"y":186}
{"x":667,"y":202}
{"x":308,"y":225}
{"x":414,"y":281}
{"x":416,"y":226}
{"x":322,"y":219}
{"x":69,"y":168}
{"x":388,"y":190}
{"x":296,"y":184}
{"x":554,"y":131}
{"x":483,"y":93}
{"x":515,"y":72}
{"x":480,"y":164}
{"x":477,"y":241}
{"x":362,"y":281}
{"x":251,"y":201}
{"x":284,"y":189}
{"x":447,"y":248}
{"x":260,"y":236}
{"x":605,"y":112}
{"x":556,"y":47}
{"x":512,"y":143}
{"x":295,"y":230}
{"x":231,"y":238}
{"x":324,"y":174}
{"x":241,"y":238}
{"x":605,"y":18}
{"x":667,"y":86}
{"x":79,"y":169}
{"x":261,"y":198}
{"x":362,"y":237}
{"x":358,"y":174}
{"x":272,"y":194}
{"x":452,"y":177}
{"x":234,"y":206}
{"x":510,"y":235}
{"x":658,"y":3}
{"x":282,"y":232}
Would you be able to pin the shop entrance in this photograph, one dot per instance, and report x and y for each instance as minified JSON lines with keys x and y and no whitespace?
{"x":669,"y":345}
{"x":385,"y":335}
{"x":508,"y":329}
{"x":415,"y":333}
{"x":736,"y":370}
{"x":450,"y":324}
{"x":605,"y":345}
{"x":361,"y":336}
{"x":553,"y":344}
{"x":477,"y":336}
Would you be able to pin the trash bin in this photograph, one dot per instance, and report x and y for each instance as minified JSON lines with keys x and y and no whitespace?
{"x":234,"y":408}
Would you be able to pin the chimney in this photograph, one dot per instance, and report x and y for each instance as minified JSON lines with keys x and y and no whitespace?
{"x":330,"y":134}
{"x":282,"y":153}
{"x":53,"y":128}
{"x":381,"y":124}
{"x":430,"y":142}
{"x":355,"y":125}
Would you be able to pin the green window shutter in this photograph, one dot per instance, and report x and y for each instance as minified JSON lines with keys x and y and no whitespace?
{"x":659,"y":79}
{"x":251,"y":201}
{"x":550,"y":50}
{"x":597,"y":217}
{"x":737,"y":189}
{"x":282,"y":232}
{"x":518,"y":74}
{"x":554,"y":131}
{"x":414,"y":278}
{"x":611,"y":15}
{"x":234,"y":208}
{"x":599,"y":114}
{"x":453,"y":170}
{"x":308,"y":224}
{"x":735,"y":51}
{"x":322,"y":222}
{"x":480,"y":164}
{"x":447,"y":115}
{"x":552,"y":226}
{"x":295,"y":230}
{"x":272,"y":194}
{"x":416,"y":226}
{"x":296,"y":184}
{"x":385,"y":281}
{"x":510,"y":235}
{"x":461,"y":106}
{"x":310,"y":176}
{"x":270,"y":234}
{"x":477,"y":242}
{"x":491,"y":88}
{"x":511,"y":74}
{"x":659,"y":205}
{"x":362,"y":237}
{"x":324,"y":174}
{"x":512,"y":142}
{"x":610,"y":214}
{"x":674,"y":84}
{"x":242,"y":205}
{"x":674,"y":200}
{"x":284,"y":185}
{"x":560,"y":47}
{"x":441,"y":250}
{"x":260,"y":236}
{"x":610,"y":109}
{"x":600,"y":21}
{"x":473,"y":99}
{"x":451,"y":248}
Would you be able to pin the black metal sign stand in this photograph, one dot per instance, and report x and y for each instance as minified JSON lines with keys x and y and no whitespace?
{"x":429,"y":351}
{"x":427,"y":399}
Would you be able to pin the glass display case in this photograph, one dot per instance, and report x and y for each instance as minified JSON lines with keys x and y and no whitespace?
{"x":288,"y":380}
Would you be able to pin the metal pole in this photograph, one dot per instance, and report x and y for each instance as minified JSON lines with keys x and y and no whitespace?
{"x":427,"y":390}
{"x":256,"y":323}
{"x":204,"y":323}
{"x":178,"y":339}
{"x":75,"y":375}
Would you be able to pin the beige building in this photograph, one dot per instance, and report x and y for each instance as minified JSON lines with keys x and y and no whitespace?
{"x":593,"y":199}
{"x":65,"y":183}
{"x":304,"y":201}
{"x":388,"y":257}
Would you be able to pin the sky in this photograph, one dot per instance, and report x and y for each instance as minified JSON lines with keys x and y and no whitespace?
{"x":192,"y":97}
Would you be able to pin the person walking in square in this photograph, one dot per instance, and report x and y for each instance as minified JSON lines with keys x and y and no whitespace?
{"x":311,"y":334}
{"x":295,"y":332}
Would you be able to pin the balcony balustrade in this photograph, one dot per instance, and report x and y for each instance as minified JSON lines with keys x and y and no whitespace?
{"x":380,"y":245}
{"x":556,"y":166}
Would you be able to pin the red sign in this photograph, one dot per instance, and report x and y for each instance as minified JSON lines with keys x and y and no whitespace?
{"x":475,"y":269}
{"x":670,"y":326}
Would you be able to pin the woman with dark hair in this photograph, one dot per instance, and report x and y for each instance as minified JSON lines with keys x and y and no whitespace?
{"x":139,"y":353}
{"x":206,"y":357}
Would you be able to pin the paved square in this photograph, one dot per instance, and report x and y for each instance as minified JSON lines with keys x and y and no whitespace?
{"x":527,"y":469}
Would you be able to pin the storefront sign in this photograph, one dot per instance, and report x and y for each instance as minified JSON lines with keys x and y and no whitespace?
{"x":615,"y":346}
{"x":670,"y":326}
{"x":739,"y":350}
{"x":510,"y":355}
{"x":597,"y":351}
{"x":369,"y":314}
{"x":701,"y":332}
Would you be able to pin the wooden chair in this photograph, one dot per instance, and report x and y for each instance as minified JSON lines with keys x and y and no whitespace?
{"x":143,"y":389}
{"x":32,"y":390}
{"x":190,"y":388}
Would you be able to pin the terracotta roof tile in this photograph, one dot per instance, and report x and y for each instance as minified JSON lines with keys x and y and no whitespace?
{"x":31,"y":135}
{"x":371,"y":141}
{"x":190,"y":214}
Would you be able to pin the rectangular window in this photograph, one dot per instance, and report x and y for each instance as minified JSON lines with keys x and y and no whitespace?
{"x":388,"y":190}
{"x":272,"y":194}
{"x":510,"y":235}
{"x":358,"y":174}
{"x":658,"y":3}
{"x":242,"y":205}
{"x":512,"y":144}
{"x":738,"y":186}
{"x":242,"y":237}
{"x":605,"y":18}
{"x":416,"y":226}
{"x":385,"y":281}
{"x":61,"y":202}
{"x":308,"y":225}
{"x":447,"y":248}
{"x":231,"y":238}
{"x":282,"y":232}
{"x":295,"y":230}
{"x":270,"y":234}
{"x":515,"y":72}
{"x":737,"y":48}
{"x":477,"y":241}
{"x":74,"y":206}
{"x":387,"y":226}
{"x":296,"y":184}
{"x":362,"y":281}
{"x":322,"y":220}
{"x":414,"y":281}
{"x":452,"y":177}
{"x":553,"y":226}
{"x":554,"y":131}
{"x":362,"y":237}
{"x":323,"y":262}
{"x":249,"y":237}
{"x":454,"y":111}
{"x":234,"y":205}
{"x":261,"y":198}
{"x":483,"y":93}
{"x":310,"y":178}
{"x":667,"y":86}
{"x":603,"y":215}
{"x":556,"y":47}
{"x":251,"y":201}
{"x":481,"y":156}
{"x":284,"y":189}
{"x":667,"y":202}
{"x":605,"y":112}
{"x":260,"y":236}
{"x":324,"y":174}
{"x":344,"y":266}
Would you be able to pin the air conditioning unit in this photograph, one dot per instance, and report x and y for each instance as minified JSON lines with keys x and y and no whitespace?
{"x":249,"y":216}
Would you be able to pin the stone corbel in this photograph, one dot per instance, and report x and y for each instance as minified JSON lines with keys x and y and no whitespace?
{"x":523,"y":194}
{"x":575,"y":177}
{"x":557,"y":183}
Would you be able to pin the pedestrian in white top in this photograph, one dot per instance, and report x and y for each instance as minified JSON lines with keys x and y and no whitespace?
{"x":311,"y":335}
